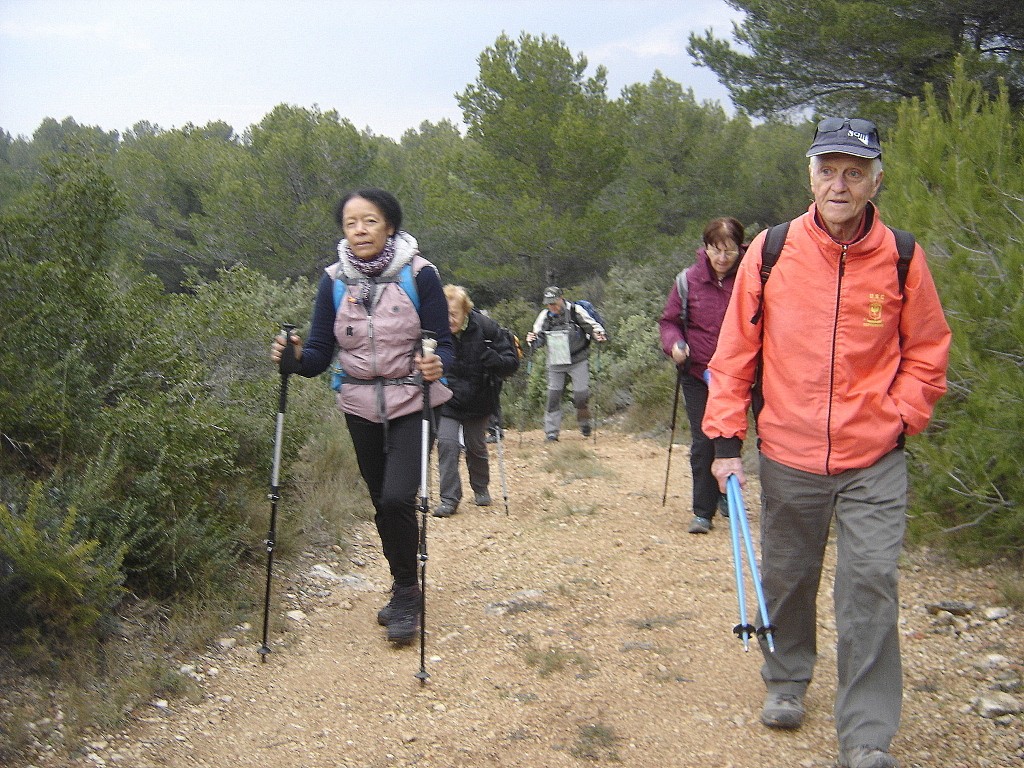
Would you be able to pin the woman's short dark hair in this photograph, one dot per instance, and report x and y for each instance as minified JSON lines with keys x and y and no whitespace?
{"x":387,"y":203}
{"x":721,"y":229}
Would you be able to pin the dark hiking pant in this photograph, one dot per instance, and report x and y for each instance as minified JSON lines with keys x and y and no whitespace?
{"x":702,"y":450}
{"x":390,"y":465}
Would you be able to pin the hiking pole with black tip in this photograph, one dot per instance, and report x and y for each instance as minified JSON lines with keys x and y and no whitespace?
{"x":501,"y":461}
{"x":286,"y":366}
{"x":744,"y":630}
{"x":429,"y":345}
{"x":672,"y":433}
{"x":737,"y":509}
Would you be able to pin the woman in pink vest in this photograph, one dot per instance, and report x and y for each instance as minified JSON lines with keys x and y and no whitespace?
{"x":376,"y":332}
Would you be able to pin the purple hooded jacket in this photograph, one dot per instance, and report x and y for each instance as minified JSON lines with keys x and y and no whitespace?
{"x":705,"y":309}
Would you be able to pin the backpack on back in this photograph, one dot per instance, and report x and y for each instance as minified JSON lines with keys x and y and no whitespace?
{"x":776,"y":238}
{"x":770,"y":252}
{"x":592,"y":311}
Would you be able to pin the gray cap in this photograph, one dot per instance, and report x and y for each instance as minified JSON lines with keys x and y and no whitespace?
{"x":551,"y":293}
{"x":846,"y":135}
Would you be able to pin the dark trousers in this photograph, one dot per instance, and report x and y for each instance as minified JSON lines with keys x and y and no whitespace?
{"x":702,"y":450}
{"x":389,"y":462}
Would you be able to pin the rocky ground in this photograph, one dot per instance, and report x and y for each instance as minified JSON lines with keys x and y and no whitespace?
{"x":583,"y":627}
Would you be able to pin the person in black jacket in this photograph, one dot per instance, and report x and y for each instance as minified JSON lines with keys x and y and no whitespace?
{"x":483,"y":356}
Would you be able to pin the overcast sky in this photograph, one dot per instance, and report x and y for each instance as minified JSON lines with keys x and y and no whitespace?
{"x":386,"y":65}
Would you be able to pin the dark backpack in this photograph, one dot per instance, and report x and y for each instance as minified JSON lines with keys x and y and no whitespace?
{"x":504,"y":333}
{"x":776,"y":238}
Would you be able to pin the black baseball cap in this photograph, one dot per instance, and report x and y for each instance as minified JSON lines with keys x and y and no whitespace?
{"x":846,"y":135}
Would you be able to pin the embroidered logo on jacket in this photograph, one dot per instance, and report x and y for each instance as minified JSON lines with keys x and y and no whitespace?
{"x":874,"y":317}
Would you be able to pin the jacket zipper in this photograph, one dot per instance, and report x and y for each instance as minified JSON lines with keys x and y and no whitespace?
{"x":369,"y":328}
{"x":832,"y":366}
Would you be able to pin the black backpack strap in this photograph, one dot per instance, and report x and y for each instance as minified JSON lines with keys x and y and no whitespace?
{"x":905,"y":243}
{"x":770,"y":251}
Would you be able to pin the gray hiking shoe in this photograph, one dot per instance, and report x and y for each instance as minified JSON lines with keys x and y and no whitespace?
{"x":700,"y":524}
{"x":866,"y":757}
{"x":482,"y":499}
{"x":404,"y":616}
{"x":783,"y":710}
{"x":445,"y":509}
{"x":551,"y":437}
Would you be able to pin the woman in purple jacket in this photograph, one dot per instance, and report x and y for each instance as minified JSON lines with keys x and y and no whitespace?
{"x":689,"y":334}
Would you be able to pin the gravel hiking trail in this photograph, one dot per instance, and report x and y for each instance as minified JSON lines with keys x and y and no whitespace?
{"x":586,"y":627}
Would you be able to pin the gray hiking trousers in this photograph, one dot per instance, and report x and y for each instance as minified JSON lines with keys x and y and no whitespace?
{"x":580,"y":375}
{"x":869,"y":506}
{"x":449,"y":449}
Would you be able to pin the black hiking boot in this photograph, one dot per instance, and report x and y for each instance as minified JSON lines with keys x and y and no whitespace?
{"x":404,"y":614}
{"x":384,"y":614}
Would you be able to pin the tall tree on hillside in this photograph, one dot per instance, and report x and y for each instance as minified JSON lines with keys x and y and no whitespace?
{"x":276,"y":213}
{"x":168,"y":178}
{"x":955,"y":177}
{"x":548,"y":152}
{"x":862,"y":56}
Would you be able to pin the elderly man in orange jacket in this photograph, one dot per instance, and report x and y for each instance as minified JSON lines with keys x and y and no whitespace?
{"x":848,"y":362}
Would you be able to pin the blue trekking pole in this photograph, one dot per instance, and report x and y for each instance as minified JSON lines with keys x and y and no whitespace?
{"x":738,"y":510}
{"x":743,"y":630}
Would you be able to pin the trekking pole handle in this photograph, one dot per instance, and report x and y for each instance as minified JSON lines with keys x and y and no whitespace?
{"x":429,"y":342}
{"x":288,"y":330}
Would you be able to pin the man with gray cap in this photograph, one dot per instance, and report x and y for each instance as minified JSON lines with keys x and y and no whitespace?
{"x":566,"y":329}
{"x":846,"y":358}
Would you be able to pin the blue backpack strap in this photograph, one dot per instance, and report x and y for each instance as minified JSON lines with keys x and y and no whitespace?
{"x":406,"y":279}
{"x":339,"y":291}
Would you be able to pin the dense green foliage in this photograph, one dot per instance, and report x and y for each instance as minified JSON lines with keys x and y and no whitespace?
{"x":143,"y":276}
{"x":958,"y":179}
{"x":863,"y":57}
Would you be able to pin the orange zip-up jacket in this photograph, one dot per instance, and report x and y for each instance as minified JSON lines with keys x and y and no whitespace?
{"x":848,"y":366}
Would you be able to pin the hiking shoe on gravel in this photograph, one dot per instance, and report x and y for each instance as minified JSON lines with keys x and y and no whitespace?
{"x":723,"y":506}
{"x":384,"y":614}
{"x":552,"y":437}
{"x":700,"y":524}
{"x":404,"y":618}
{"x":784,"y":710}
{"x":866,"y":757}
{"x":482,"y":499}
{"x":586,"y":430}
{"x":445,"y":509}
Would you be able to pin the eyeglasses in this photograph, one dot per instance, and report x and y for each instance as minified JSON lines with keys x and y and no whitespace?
{"x":856,"y":124}
{"x":715,"y":250}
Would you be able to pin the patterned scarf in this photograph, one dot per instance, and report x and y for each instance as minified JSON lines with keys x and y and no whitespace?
{"x":370,"y":268}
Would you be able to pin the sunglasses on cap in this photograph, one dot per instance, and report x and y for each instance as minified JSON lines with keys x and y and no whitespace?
{"x":830,"y":124}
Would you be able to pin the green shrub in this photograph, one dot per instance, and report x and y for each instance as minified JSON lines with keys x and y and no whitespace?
{"x":54,"y":584}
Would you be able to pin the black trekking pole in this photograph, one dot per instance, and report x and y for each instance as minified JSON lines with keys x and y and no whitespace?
{"x":672,"y":433}
{"x":287,"y":362}
{"x":429,"y":345}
